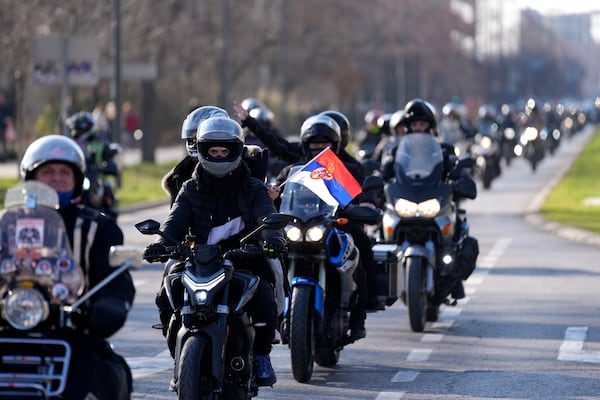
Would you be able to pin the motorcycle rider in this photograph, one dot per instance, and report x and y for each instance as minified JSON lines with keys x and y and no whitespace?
{"x":318,"y":132}
{"x":98,"y":154}
{"x":295,"y":152}
{"x":420,"y":117}
{"x":95,"y":370}
{"x":173,"y":180}
{"x":219,"y":205}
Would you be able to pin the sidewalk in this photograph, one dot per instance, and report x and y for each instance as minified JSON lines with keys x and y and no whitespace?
{"x":10,"y":169}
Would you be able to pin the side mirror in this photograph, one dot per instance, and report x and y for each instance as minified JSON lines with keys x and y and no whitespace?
{"x":276,"y":221}
{"x":148,"y":227}
{"x":121,"y":254}
{"x":373,"y":182}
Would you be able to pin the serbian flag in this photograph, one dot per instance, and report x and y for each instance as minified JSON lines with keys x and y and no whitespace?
{"x":327,"y":176}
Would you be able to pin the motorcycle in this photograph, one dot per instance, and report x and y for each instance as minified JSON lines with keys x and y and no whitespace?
{"x":210,"y":335}
{"x":321,"y":261}
{"x":41,"y":293}
{"x":424,"y":231}
{"x":532,"y":145}
{"x":102,"y":179}
{"x":486,"y":151}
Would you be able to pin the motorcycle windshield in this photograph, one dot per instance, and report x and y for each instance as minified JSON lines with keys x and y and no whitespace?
{"x":35,"y":249}
{"x":299,"y":201}
{"x":419,"y":159}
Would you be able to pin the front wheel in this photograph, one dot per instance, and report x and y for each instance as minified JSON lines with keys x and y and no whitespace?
{"x":194,"y":373}
{"x":416,"y":295}
{"x":302,"y":338}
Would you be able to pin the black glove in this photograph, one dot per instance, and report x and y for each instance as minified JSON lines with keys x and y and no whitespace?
{"x":273,"y":246}
{"x":155,"y":252}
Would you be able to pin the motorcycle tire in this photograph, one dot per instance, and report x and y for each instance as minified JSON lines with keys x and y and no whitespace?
{"x":302,"y":335}
{"x":326,"y":352}
{"x":416,"y":295}
{"x":194,"y":373}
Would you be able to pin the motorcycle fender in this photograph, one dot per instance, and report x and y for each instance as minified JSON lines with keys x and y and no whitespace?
{"x":318,"y":291}
{"x":421,"y":252}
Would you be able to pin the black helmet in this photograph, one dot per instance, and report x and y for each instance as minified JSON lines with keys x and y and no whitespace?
{"x":319,"y":129}
{"x":80,"y":123}
{"x":224,"y":132}
{"x":262,"y":115}
{"x":383,"y":122}
{"x":54,"y":148}
{"x":251,"y":103}
{"x":420,"y":110}
{"x":396,"y":120}
{"x":190,"y":124}
{"x":343,"y":123}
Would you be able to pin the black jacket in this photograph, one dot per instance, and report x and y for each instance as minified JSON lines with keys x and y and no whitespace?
{"x":206,"y":203}
{"x":109,"y":307}
{"x":174,"y":179}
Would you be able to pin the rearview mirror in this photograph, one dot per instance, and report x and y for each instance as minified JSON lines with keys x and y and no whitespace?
{"x":276,"y":221}
{"x":148,"y":227}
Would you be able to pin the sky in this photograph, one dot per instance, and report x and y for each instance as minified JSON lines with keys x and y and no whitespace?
{"x":560,"y":6}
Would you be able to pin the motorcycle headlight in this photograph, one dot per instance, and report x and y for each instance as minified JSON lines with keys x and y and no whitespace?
{"x":428,"y":208}
{"x":315,"y":233}
{"x":530,"y":134}
{"x":509,"y":133}
{"x":486,"y":142}
{"x":293,"y":233}
{"x":405,"y":208}
{"x":24,"y":308}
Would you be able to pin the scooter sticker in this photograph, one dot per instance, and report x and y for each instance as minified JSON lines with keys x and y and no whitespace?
{"x":30,"y":232}
{"x":64,"y":264}
{"x":43,"y":267}
{"x":60,"y":291}
{"x":7,"y":266}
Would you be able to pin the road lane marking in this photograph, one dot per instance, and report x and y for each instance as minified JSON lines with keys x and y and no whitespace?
{"x":405,"y":376}
{"x":389,"y":396}
{"x":431,"y":337}
{"x":419,"y":355}
{"x":572,"y":347}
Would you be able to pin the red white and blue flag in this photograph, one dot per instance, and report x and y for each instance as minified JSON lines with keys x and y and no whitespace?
{"x":327,"y":176}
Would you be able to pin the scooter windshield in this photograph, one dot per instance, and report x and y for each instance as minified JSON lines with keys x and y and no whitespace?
{"x":299,"y":201}
{"x":35,"y":249}
{"x":419,"y":159}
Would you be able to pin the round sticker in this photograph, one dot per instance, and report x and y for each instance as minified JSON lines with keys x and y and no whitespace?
{"x":64,"y":264}
{"x":60,"y":291}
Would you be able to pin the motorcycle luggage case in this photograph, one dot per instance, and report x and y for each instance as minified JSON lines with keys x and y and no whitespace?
{"x":388,"y":279}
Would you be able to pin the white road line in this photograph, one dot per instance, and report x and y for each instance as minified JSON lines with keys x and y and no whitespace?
{"x":572,"y":347}
{"x":431,"y":337}
{"x":389,"y":396}
{"x":405,"y":376}
{"x":419,"y":355}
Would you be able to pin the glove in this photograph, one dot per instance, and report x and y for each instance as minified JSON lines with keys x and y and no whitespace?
{"x":273,"y":246}
{"x":155,"y":252}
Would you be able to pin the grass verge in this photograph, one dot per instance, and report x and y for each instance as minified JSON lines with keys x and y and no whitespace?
{"x":141,"y":183}
{"x":575,"y":201}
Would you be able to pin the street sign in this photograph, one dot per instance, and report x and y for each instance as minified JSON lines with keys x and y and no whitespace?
{"x":76,"y":56}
